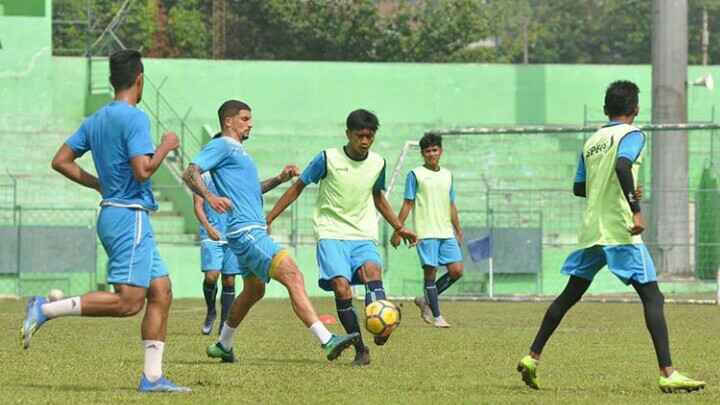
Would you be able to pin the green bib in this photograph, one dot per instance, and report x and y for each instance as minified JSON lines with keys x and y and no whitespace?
{"x":344,"y":208}
{"x":607,"y":215}
{"x":431,"y":213}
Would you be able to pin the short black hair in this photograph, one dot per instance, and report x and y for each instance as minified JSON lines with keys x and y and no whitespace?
{"x":621,"y":98}
{"x":125,"y":67}
{"x":230,"y":108}
{"x":429,"y":140}
{"x":362,"y":119}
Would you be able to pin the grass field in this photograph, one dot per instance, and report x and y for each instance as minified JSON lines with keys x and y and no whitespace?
{"x":601,"y":353}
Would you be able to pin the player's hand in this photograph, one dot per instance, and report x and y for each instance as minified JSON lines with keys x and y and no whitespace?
{"x":170,"y":140}
{"x":395,"y":240}
{"x":459,"y":237}
{"x":220,"y":204}
{"x":408,"y":236}
{"x":288,"y":173}
{"x":269,"y":226}
{"x":213,"y":233}
{"x":638,"y":225}
{"x":639,"y":193}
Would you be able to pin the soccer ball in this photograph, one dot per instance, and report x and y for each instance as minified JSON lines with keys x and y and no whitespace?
{"x":381,"y":318}
{"x":55,"y":295}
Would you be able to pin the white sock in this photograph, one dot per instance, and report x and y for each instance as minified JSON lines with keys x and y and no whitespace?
{"x":320,"y":332}
{"x":227,"y":336}
{"x":153,"y":359}
{"x":672,"y":374}
{"x":67,"y":307}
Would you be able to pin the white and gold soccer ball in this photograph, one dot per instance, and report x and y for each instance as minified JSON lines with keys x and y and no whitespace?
{"x":382,"y":317}
{"x":55,"y":295}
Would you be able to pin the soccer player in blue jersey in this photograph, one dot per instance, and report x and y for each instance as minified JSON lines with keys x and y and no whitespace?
{"x":216,"y":257}
{"x":352,"y":181}
{"x":261,"y":259}
{"x":430,"y":194}
{"x":610,"y":235}
{"x":118,"y":135}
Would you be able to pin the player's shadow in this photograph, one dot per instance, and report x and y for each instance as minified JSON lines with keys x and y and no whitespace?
{"x":74,"y":388}
{"x":250,"y":362}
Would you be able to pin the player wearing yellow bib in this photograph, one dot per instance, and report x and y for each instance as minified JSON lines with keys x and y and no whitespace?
{"x":610,"y":235}
{"x":352,"y":180}
{"x":430,"y":194}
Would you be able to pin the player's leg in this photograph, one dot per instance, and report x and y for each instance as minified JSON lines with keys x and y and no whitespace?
{"x":210,"y":293}
{"x":252,"y":292}
{"x":227,"y":298}
{"x":633,"y":265}
{"x":427,"y":250}
{"x":450,"y":256}
{"x":119,"y":230}
{"x":430,"y":294}
{"x":334,"y":261}
{"x":287,"y":273}
{"x":230,"y":268}
{"x":348,"y":318}
{"x":366,"y":259}
{"x":157,"y":311}
{"x":581,"y":266}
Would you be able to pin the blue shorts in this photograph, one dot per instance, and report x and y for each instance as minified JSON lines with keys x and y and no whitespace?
{"x":218,"y":257}
{"x":435,"y":252}
{"x":627,"y":262}
{"x":257,"y":254}
{"x":128,"y":239}
{"x":343,"y":258}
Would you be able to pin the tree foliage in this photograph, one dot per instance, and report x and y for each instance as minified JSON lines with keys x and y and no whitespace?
{"x":482,"y":31}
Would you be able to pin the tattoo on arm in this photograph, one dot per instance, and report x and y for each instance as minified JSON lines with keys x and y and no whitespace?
{"x":269,"y":184}
{"x":192,"y":178}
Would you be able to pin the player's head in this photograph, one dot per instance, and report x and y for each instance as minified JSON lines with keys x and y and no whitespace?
{"x":361,"y":128}
{"x":235,"y":119}
{"x":126,"y":72}
{"x":431,"y":148}
{"x":621,"y":99}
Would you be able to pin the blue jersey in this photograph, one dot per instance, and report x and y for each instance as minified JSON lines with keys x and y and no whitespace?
{"x":216,"y":219}
{"x":115,"y":134}
{"x":630,"y":147}
{"x":236,"y":178}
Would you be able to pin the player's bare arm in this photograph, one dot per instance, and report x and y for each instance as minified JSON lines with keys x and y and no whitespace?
{"x":288,"y":173}
{"x":455,"y":218}
{"x":290,"y":195}
{"x":145,"y":166}
{"x":383,"y":207}
{"x":192,"y":177}
{"x":198,"y":203}
{"x":395,"y":239}
{"x":64,"y":163}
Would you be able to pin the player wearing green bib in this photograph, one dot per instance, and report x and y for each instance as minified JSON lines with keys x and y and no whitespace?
{"x":352,"y":180}
{"x":430,"y":194}
{"x":610,"y":235}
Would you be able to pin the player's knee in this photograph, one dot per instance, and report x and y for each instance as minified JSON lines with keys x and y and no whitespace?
{"x":290,"y":276}
{"x":341,"y":289}
{"x":131,"y":307}
{"x":211,"y":277}
{"x":256,"y":294}
{"x":429,"y":272}
{"x":456,"y":273}
{"x":228,"y":281}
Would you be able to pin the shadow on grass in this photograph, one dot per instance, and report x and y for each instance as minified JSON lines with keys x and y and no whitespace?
{"x":74,"y":388}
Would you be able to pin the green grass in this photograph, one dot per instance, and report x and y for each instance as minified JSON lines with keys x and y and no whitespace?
{"x":601,"y":353}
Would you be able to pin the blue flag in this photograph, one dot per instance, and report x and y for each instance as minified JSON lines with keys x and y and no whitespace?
{"x":480,"y":248}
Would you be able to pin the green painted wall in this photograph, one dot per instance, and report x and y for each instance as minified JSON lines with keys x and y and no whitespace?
{"x":300,"y":108}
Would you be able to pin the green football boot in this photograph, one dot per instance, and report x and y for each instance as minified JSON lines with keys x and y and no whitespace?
{"x":216,"y":351}
{"x":679,"y":382}
{"x":335,"y":346}
{"x":528,"y":369}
